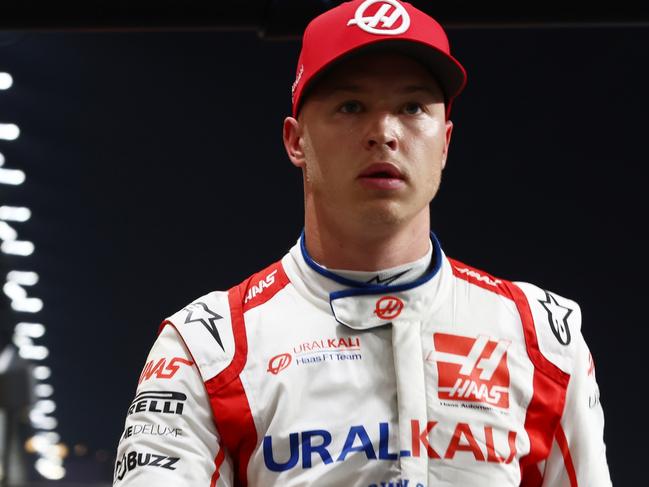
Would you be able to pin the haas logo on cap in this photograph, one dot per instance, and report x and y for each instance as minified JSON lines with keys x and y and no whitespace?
{"x":390,"y":18}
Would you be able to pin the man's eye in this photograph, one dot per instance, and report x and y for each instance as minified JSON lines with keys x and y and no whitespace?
{"x":351,"y":107}
{"x":412,"y":108}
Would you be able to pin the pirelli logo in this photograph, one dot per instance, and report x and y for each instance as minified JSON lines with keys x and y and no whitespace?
{"x":472,"y":369}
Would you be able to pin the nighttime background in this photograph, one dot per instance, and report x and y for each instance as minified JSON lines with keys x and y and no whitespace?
{"x":156,"y":173}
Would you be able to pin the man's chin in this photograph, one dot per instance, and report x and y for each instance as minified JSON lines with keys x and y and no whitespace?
{"x":383,"y":213}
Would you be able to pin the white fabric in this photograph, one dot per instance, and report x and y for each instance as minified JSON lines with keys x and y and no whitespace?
{"x":411,"y":394}
{"x":343,"y":394}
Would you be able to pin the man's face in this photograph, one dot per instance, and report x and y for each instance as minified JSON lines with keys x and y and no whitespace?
{"x":372,"y":139}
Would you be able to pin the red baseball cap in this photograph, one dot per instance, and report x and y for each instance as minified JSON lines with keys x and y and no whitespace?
{"x":364,"y":25}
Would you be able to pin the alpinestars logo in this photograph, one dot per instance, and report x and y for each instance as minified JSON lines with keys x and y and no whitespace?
{"x":557,"y":317}
{"x":199,"y":312}
{"x":386,"y":280}
{"x":472,"y":369}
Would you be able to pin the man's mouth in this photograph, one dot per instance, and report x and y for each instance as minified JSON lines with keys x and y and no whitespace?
{"x":382,"y":176}
{"x":382,"y":170}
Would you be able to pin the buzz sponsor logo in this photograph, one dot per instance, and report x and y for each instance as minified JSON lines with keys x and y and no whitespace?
{"x":259,"y":288}
{"x":160,"y":369}
{"x":471,"y":370}
{"x":163,"y":402}
{"x":305,"y":449}
{"x":133,"y":459}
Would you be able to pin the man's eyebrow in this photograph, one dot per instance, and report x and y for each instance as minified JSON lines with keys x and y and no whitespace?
{"x":416,"y":88}
{"x":330,"y":90}
{"x":337,"y":88}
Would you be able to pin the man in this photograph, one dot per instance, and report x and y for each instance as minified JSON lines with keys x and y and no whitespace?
{"x":365,"y":356}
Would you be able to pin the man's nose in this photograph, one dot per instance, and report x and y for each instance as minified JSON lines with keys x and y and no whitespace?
{"x":382,"y":132}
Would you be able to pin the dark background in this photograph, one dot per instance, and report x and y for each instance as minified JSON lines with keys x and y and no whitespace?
{"x":156,"y":173}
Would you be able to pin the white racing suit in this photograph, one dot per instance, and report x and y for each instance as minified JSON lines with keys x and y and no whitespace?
{"x":300,"y":377}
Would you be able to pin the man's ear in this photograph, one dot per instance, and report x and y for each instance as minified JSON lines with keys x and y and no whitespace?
{"x":448,"y":131}
{"x":292,"y":136}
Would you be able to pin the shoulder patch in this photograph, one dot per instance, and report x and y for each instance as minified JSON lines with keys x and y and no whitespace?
{"x":557,"y":321}
{"x":263,"y":285}
{"x":479,"y":278}
{"x":205,"y":326}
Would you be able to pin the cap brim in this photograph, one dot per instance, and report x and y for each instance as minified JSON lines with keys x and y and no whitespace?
{"x":446,"y":69}
{"x":448,"y":72}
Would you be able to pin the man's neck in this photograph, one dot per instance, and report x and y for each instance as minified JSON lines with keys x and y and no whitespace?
{"x":363,"y":249}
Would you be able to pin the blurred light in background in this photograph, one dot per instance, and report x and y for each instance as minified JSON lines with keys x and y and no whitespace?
{"x":9,"y":131}
{"x":80,"y":450}
{"x":45,"y":442}
{"x":15,"y":290}
{"x":16,"y":247}
{"x":15,"y":213}
{"x":5,"y":81}
{"x":13,"y":177}
{"x":42,"y":372}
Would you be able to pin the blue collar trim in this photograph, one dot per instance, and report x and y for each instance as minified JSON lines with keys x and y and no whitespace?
{"x":358,"y":288}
